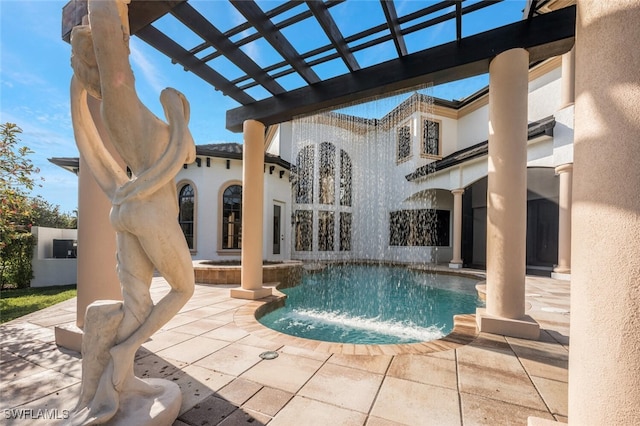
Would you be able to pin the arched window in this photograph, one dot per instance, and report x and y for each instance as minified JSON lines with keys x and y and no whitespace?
{"x":232,"y":217}
{"x":327,"y":173}
{"x":186,"y":201}
{"x":304,"y":165}
{"x":345,"y":179}
{"x":332,"y":230}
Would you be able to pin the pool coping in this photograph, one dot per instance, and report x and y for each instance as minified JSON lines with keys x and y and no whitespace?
{"x":246,"y":317}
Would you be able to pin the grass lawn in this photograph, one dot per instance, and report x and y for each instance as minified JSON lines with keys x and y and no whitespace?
{"x":19,"y":302}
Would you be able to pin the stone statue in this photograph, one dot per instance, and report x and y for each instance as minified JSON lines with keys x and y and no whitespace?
{"x":144,"y":214}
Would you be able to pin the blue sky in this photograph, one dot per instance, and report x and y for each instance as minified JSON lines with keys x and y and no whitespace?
{"x":35,"y":72}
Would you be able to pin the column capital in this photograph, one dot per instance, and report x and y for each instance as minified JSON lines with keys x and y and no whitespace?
{"x":457,"y":191}
{"x":564,"y":168}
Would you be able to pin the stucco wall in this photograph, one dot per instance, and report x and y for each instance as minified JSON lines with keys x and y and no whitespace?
{"x":209,"y":183}
{"x":48,"y":271}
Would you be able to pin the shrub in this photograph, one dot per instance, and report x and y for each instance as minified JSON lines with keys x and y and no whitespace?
{"x":15,"y":261}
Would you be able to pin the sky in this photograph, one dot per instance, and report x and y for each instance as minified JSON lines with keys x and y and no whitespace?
{"x":35,"y":73}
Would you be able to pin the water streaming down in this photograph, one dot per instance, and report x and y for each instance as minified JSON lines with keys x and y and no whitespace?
{"x":346,"y":209}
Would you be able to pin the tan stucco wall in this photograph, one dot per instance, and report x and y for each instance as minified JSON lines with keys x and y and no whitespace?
{"x":604,"y":362}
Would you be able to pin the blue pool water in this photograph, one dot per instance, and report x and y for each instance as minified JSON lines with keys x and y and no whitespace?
{"x":374,"y":305}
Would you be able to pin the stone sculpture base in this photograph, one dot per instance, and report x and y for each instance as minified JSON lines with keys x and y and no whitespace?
{"x":156,"y":410}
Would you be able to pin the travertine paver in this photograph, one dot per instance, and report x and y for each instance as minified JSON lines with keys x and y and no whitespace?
{"x":239,"y":391}
{"x":413,"y":403}
{"x":243,"y":417}
{"x":233,"y":359}
{"x":477,"y":410}
{"x":165,"y":339}
{"x":554,"y":394}
{"x":197,"y":384}
{"x":287,"y":372}
{"x":497,"y":375}
{"x":193,"y":349}
{"x":268,"y":401}
{"x":425,"y":369}
{"x":343,"y":386}
{"x":33,"y":387}
{"x":211,"y":351}
{"x":200,"y":326}
{"x":375,"y":364}
{"x":308,"y":412}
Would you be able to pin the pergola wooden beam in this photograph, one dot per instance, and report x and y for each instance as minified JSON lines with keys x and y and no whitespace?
{"x":201,"y":26}
{"x":164,"y":44}
{"x":261,"y":22}
{"x":321,"y":13}
{"x":543,"y":36}
{"x":391,"y":16}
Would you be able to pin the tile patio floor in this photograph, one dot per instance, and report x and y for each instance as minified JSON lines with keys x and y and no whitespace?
{"x":494,"y":380}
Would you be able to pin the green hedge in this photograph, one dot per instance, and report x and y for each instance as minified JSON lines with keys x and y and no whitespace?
{"x":16,"y":270}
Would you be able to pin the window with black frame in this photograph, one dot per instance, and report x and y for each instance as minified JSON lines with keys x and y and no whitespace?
{"x":232,"y":217}
{"x":404,"y":143}
{"x":421,"y":227}
{"x":186,"y":202}
{"x":304,"y":167}
{"x":430,"y":138}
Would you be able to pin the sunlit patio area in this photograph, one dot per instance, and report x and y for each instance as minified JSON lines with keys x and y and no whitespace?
{"x":212,"y":352}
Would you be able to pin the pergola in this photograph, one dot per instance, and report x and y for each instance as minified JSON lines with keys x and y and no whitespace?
{"x":543,"y":36}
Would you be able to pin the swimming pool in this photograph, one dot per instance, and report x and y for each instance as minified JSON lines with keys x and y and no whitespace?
{"x":365,"y":304}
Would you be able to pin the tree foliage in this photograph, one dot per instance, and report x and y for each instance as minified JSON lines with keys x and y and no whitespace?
{"x":18,"y":211}
{"x":43,"y":213}
{"x":16,"y":179}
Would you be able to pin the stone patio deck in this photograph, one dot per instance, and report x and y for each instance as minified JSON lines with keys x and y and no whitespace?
{"x":494,"y":380}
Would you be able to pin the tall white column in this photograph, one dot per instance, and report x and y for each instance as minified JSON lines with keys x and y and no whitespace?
{"x":252,"y":208}
{"x":568,"y":94}
{"x":456,"y":261}
{"x":563,"y":269}
{"x":604,"y":361}
{"x":507,"y":198}
{"x":96,"y":274}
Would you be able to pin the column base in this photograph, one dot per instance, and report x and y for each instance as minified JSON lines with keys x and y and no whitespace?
{"x":241,"y":293}
{"x":455,"y":265}
{"x":69,"y":337}
{"x":525,"y":328}
{"x":563,"y":276}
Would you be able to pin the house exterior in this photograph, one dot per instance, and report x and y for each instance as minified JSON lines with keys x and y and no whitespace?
{"x":342,"y":187}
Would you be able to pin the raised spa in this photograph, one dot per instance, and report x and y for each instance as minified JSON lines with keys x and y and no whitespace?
{"x":365,"y":304}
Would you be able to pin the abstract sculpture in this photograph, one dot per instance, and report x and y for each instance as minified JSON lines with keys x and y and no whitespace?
{"x":144,"y":215}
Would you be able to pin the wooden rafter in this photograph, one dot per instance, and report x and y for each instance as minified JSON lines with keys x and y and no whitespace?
{"x":394,"y":26}
{"x":201,"y":26}
{"x":164,"y":44}
{"x":458,"y":21}
{"x":321,"y":13}
{"x":261,"y":22}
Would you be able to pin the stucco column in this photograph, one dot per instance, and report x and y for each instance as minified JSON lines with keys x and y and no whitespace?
{"x":97,"y":278}
{"x":252,"y":208}
{"x":456,"y":261}
{"x":563,"y":269}
{"x":568,"y":78}
{"x":507,"y":198}
{"x":604,"y":361}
